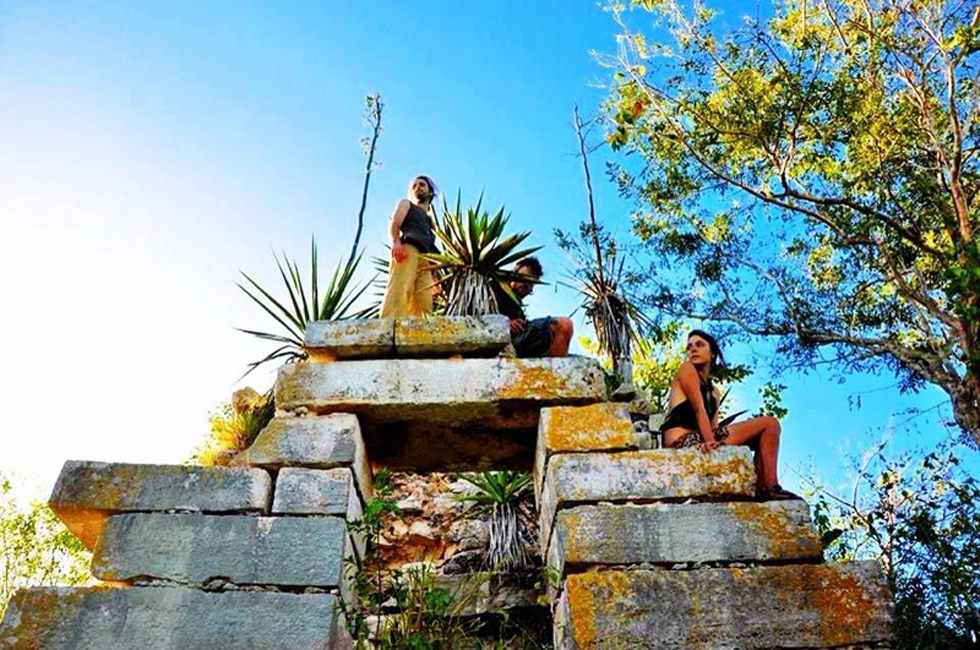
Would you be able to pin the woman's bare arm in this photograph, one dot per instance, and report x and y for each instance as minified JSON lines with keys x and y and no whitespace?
{"x":714,"y":419}
{"x":691,"y":385}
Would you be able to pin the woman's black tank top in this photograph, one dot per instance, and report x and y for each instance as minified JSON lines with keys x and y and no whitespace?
{"x":683,"y":415}
{"x":417,"y":230}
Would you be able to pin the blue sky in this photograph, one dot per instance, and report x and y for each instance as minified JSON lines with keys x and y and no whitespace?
{"x":150,"y":150}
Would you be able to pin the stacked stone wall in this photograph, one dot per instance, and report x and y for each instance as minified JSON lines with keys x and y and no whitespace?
{"x":667,"y":548}
{"x":648,"y":548}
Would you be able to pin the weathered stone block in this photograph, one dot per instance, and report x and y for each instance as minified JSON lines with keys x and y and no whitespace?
{"x":196,"y":549}
{"x":499,"y":392}
{"x":653,"y":475}
{"x":301,"y":491}
{"x":350,"y":339}
{"x":320,"y":442}
{"x":799,"y":606}
{"x":598,"y":427}
{"x":54,"y":618}
{"x":439,"y":335}
{"x":666,"y":533}
{"x":87,"y":492}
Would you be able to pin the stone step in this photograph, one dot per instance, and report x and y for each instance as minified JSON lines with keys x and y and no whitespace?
{"x":197,"y":550}
{"x":327,"y":340}
{"x":497,"y":393}
{"x":641,"y":476}
{"x":317,"y":442}
{"x":669,"y":533}
{"x":441,"y":335}
{"x":144,"y":618}
{"x":597,"y":427}
{"x":87,"y":492}
{"x":800,"y":606}
{"x":381,"y":338}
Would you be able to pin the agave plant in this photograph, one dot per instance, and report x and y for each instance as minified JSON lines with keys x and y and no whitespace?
{"x":499,"y":493}
{"x":473,"y":265}
{"x":302,"y":306}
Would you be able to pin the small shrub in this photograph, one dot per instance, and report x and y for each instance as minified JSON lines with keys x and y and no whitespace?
{"x":234,"y":427}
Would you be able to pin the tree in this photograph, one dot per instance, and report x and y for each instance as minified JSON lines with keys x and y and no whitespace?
{"x":813,"y":177}
{"x":920,"y":519}
{"x":36,"y":549}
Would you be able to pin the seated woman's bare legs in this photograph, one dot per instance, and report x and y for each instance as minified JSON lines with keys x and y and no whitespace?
{"x":763,"y":434}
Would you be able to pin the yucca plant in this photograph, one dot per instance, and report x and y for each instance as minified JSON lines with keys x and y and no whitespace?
{"x":499,"y":493}
{"x":615,"y":317}
{"x":473,"y":265}
{"x":302,"y":306}
{"x":600,"y":279}
{"x":341,"y":292}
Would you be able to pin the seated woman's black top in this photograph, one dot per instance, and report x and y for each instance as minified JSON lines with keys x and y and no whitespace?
{"x":683,"y":415}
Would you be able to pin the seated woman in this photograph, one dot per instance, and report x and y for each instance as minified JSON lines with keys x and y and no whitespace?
{"x":692,"y":419}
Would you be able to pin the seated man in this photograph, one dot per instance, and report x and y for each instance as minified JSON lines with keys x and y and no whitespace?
{"x":541,"y":337}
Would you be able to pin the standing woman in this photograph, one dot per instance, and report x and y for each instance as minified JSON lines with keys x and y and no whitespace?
{"x":692,"y":419}
{"x":409,"y":291}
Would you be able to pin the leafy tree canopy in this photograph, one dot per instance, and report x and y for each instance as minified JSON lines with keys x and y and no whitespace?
{"x":812,"y":177}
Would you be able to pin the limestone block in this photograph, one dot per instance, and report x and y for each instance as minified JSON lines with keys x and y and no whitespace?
{"x":195,"y":549}
{"x":144,"y":618}
{"x":301,"y":491}
{"x":498,"y":392}
{"x":799,"y":606}
{"x":667,"y":533}
{"x":651,"y":475}
{"x":319,"y":442}
{"x":350,"y":339}
{"x":598,"y":427}
{"x":87,"y":492}
{"x":440,"y":335}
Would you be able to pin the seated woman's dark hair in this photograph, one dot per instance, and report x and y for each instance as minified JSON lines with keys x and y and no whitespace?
{"x":717,"y":358}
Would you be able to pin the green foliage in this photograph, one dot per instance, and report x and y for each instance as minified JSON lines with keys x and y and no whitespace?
{"x":811,"y":178}
{"x":500,"y":487}
{"x":772,"y":400}
{"x":921,"y":520}
{"x":473,"y":267}
{"x":36,"y":550}
{"x":303,"y":306}
{"x":500,"y":493}
{"x":233,"y":428}
{"x":414,"y":612}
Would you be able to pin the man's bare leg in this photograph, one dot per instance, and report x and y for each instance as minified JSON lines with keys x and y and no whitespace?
{"x":561,"y":337}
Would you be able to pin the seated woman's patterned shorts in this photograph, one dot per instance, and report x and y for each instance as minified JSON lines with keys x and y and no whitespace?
{"x":694,"y":438}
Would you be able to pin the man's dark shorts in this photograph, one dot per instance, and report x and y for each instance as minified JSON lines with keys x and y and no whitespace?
{"x":535,"y":339}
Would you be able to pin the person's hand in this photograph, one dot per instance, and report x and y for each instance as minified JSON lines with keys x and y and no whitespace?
{"x":517,"y":326}
{"x":398,"y":251}
{"x":709,"y":446}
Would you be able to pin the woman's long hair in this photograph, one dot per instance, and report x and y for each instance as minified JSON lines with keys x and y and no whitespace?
{"x":717,"y":358}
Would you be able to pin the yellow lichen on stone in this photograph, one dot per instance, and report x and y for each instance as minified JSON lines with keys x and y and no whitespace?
{"x":533,"y":382}
{"x":585,"y":428}
{"x":844,"y":605}
{"x":775,"y":527}
{"x":593,"y":596}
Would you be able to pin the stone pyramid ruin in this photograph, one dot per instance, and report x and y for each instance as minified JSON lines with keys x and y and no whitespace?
{"x":645,"y":548}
